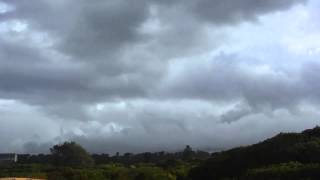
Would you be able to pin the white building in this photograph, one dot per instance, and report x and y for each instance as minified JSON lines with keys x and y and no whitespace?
{"x":8,"y":158}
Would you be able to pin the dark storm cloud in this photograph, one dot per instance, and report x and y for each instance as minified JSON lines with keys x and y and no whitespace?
{"x":96,"y":32}
{"x":117,"y":50}
{"x":90,"y":36}
{"x":231,"y":11}
{"x":103,"y":27}
{"x":84,"y":28}
{"x":27,"y":71}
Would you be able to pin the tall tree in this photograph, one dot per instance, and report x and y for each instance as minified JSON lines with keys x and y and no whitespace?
{"x":187,"y":153}
{"x":70,"y":154}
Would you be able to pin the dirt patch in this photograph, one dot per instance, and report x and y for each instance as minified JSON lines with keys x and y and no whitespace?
{"x":19,"y":179}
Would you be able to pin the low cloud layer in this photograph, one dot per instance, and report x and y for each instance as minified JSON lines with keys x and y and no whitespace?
{"x":156,"y":75}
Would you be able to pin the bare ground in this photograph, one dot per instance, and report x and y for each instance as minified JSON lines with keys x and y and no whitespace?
{"x":12,"y":178}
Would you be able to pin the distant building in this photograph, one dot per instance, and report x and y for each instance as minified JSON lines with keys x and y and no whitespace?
{"x":8,"y":158}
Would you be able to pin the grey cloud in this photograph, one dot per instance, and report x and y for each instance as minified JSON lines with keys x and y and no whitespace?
{"x":310,"y":80}
{"x":90,"y":29}
{"x":94,"y":33}
{"x":207,"y":135}
{"x":36,"y":147}
{"x":103,"y":27}
{"x":230,"y":77}
{"x":99,"y":53}
{"x":89,"y":36}
{"x":96,"y":30}
{"x":22,"y":123}
{"x":236,"y":113}
{"x":230,"y":11}
{"x":183,"y":24}
{"x":27,"y":72}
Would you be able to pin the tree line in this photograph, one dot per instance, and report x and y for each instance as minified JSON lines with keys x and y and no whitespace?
{"x":73,"y":149}
{"x":286,"y":156}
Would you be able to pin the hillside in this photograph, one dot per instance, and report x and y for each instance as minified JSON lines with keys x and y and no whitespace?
{"x":290,"y":151}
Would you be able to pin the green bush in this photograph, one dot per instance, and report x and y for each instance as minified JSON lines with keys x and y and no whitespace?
{"x":285,"y":171}
{"x":76,"y":174}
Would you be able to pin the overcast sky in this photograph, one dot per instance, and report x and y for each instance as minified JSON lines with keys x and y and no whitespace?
{"x":152,"y":75}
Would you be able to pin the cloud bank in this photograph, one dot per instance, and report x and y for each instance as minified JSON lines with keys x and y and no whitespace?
{"x":156,"y":75}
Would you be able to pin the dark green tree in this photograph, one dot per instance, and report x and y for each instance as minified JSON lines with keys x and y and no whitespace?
{"x":70,"y":154}
{"x":187,"y":153}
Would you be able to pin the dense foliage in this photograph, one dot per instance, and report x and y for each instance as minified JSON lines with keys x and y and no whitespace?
{"x":285,"y":171}
{"x":287,"y":156}
{"x":70,"y":154}
{"x":100,"y":172}
{"x":28,"y":171}
{"x":69,"y":161}
{"x":284,"y":148}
